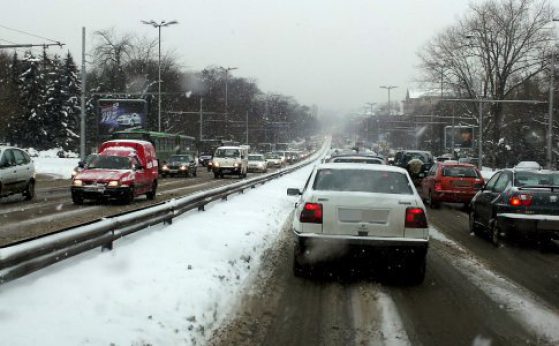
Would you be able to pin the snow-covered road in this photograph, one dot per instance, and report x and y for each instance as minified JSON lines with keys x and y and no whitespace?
{"x":166,"y":285}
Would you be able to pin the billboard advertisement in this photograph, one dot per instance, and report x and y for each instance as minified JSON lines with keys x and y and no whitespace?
{"x":461,"y":136}
{"x":121,"y":114}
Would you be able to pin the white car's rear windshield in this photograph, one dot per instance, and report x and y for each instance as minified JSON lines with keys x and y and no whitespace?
{"x":361,"y":180}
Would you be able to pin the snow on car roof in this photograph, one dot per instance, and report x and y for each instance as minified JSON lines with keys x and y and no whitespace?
{"x":384,"y":168}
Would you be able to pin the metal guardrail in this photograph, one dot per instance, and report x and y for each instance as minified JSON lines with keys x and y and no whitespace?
{"x":29,"y":256}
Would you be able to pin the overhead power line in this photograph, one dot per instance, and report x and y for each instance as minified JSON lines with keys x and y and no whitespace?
{"x":30,"y":34}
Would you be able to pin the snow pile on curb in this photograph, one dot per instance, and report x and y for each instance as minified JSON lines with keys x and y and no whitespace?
{"x":166,"y":286}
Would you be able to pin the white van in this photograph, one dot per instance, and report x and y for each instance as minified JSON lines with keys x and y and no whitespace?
{"x":231,"y":160}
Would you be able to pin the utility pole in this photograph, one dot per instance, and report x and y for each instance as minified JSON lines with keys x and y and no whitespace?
{"x":84,"y":89}
{"x":551,"y":99}
{"x":246,"y":127}
{"x":371,"y":104}
{"x":388,"y":88}
{"x":201,"y":118}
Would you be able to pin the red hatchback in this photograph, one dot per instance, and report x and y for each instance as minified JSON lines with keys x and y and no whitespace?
{"x":451,"y":182}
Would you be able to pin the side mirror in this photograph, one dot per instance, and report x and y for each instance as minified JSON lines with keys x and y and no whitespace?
{"x":81,"y":164}
{"x":293,"y":192}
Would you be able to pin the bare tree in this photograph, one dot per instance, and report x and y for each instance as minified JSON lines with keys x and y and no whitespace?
{"x":492,"y":51}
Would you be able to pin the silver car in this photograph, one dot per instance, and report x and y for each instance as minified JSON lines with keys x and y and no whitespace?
{"x":17,"y":173}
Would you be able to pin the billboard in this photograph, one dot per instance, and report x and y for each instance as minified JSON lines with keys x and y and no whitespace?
{"x":461,"y":136}
{"x":121,"y":114}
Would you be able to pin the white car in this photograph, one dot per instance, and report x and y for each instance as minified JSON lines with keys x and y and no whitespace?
{"x":132,"y":119}
{"x":257,"y":163}
{"x":371,"y":208}
{"x":17,"y":173}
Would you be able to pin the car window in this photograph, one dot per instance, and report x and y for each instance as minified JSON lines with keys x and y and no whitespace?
{"x":491,"y":183}
{"x":227,"y":153}
{"x":256,"y":158}
{"x":18,"y":156}
{"x":457,"y":171}
{"x":110,"y":162}
{"x":357,"y":160}
{"x":8,"y":159}
{"x":502,"y":183}
{"x":354,"y":180}
{"x":530,"y":178}
{"x":433,"y":170}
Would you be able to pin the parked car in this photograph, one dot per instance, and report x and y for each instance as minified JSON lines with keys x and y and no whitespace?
{"x":373,"y":209}
{"x":257,"y":163}
{"x":17,"y":173}
{"x":450,"y":182}
{"x":232,"y":160}
{"x":180,"y":164}
{"x":122,"y":170}
{"x":522,"y":204}
{"x":129,"y":120}
{"x":530,"y":165}
{"x":416,"y":162}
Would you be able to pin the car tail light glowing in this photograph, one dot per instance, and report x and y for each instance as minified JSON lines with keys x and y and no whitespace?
{"x":521,"y":200}
{"x":312,"y":213}
{"x":438,"y":186}
{"x":415,"y":218}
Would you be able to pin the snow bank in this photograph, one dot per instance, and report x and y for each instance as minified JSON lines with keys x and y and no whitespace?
{"x":60,"y":168}
{"x":487,"y":173}
{"x":165,"y":286}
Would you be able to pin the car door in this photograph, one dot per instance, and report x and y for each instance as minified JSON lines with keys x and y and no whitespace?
{"x":428,"y":183}
{"x":23,"y":169}
{"x":8,"y":172}
{"x":492,"y":196}
{"x":142,"y":182}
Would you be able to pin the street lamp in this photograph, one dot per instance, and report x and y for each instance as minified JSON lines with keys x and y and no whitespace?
{"x":159,"y":26}
{"x":551,"y":94}
{"x":388,"y":88}
{"x":227,"y":69}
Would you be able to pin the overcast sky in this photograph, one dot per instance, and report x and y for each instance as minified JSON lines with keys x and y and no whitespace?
{"x":333,"y":53}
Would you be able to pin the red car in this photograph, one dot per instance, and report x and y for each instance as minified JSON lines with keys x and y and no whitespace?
{"x":451,"y":182}
{"x":122,"y":170}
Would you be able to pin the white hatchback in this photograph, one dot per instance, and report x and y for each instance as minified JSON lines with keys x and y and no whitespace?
{"x":372,"y":208}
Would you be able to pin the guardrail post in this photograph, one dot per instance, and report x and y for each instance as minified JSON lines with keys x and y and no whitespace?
{"x":202,"y":207}
{"x":109,"y":245}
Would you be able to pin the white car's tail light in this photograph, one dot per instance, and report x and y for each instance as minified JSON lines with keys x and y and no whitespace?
{"x":312,"y":213}
{"x":415,"y":218}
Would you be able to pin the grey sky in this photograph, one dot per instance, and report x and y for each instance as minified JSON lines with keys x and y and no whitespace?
{"x":334,"y":54}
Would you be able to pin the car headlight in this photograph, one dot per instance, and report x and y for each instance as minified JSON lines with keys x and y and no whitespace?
{"x":113,"y":183}
{"x":165,"y":168}
{"x":236,"y":165}
{"x":77,"y":183}
{"x":183,"y":167}
{"x":215,"y":164}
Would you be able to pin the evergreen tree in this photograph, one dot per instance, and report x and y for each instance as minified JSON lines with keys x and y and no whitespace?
{"x":32,"y":90}
{"x":71,"y":90}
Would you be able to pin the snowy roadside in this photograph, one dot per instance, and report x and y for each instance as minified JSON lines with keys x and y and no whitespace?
{"x":167,"y":285}
{"x":54,"y":166}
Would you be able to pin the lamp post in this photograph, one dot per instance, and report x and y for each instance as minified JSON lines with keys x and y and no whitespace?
{"x":159,"y":26}
{"x":388,"y":88}
{"x":551,"y":95}
{"x":227,"y":69}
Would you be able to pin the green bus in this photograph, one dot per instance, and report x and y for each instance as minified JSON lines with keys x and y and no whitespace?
{"x":166,"y":144}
